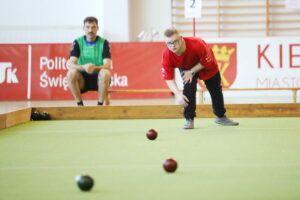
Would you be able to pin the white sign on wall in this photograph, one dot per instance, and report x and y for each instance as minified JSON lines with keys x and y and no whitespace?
{"x":268,"y":63}
{"x":193,"y":8}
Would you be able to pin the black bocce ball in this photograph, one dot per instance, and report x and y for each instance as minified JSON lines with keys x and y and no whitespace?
{"x":85,"y":182}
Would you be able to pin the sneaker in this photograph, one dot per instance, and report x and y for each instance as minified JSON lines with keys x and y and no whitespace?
{"x":225,"y":121}
{"x":189,"y":124}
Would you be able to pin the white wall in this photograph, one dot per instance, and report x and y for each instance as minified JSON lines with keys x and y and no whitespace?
{"x":55,"y":21}
{"x":52,"y":21}
{"x":116,"y":20}
{"x":148,"y":15}
{"x":43,"y":21}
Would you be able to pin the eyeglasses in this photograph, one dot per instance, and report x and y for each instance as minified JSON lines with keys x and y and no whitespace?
{"x":173,"y":43}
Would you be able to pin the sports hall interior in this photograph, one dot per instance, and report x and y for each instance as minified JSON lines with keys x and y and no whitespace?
{"x":257,"y":46}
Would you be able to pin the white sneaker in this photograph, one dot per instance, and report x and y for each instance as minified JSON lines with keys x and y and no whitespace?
{"x":189,"y":124}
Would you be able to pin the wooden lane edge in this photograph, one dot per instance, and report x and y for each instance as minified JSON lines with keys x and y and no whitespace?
{"x":2,"y":121}
{"x":264,"y":110}
{"x":148,"y":112}
{"x":112,"y":112}
{"x":168,"y":111}
{"x":17,"y":117}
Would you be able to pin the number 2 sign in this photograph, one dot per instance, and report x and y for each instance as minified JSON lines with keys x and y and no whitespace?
{"x":193,"y":8}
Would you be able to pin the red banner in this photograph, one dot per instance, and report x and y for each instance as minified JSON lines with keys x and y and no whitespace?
{"x":49,"y":71}
{"x":135,"y":66}
{"x":13,"y":71}
{"x":38,"y":71}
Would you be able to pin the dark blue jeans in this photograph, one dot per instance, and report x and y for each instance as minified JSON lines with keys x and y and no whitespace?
{"x":214,"y":88}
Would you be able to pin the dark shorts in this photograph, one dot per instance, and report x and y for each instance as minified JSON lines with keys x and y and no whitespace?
{"x":90,"y":82}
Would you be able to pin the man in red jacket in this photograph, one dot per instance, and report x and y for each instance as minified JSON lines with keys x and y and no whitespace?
{"x":195,"y":60}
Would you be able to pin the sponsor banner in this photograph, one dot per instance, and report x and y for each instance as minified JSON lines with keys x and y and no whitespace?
{"x":262,"y":63}
{"x":137,"y":66}
{"x":38,"y":71}
{"x":49,"y":70}
{"x":268,"y":63}
{"x":13,"y":71}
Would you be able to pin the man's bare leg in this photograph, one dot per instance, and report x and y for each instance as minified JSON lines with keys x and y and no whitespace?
{"x":75,"y":83}
{"x":103,"y":85}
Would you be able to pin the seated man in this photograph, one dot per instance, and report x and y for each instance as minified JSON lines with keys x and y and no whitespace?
{"x":90,"y":63}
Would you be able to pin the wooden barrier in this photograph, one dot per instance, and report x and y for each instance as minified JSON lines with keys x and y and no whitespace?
{"x":14,"y":118}
{"x":2,"y":121}
{"x":17,"y":117}
{"x":156,"y":111}
{"x":168,"y":111}
{"x":148,"y":112}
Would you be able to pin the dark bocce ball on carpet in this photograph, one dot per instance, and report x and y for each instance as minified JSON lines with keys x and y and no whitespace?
{"x":170,"y":165}
{"x":151,"y":134}
{"x":84,"y":182}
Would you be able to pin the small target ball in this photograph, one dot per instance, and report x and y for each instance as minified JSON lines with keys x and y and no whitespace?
{"x":84,"y":182}
{"x":151,"y":134}
{"x":170,"y":165}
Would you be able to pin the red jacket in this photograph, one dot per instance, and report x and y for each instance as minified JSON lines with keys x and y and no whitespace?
{"x":196,"y":52}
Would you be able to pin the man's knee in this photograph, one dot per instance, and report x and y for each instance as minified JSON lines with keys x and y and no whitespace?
{"x":190,"y":88}
{"x":72,"y":75}
{"x":104,"y":75}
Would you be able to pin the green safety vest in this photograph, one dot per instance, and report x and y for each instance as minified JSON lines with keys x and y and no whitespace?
{"x":90,"y":54}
